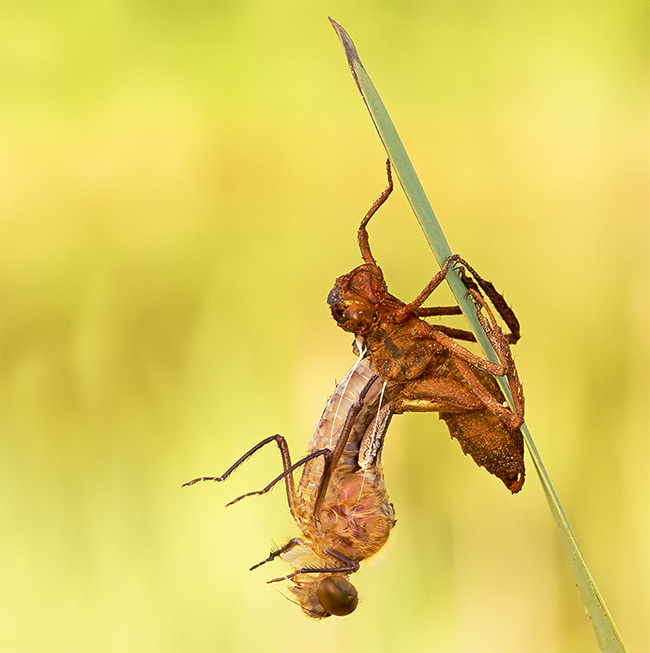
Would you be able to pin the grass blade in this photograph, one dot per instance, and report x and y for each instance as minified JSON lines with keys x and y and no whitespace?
{"x":604,"y":627}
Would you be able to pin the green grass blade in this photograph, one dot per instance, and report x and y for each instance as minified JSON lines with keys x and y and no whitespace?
{"x":604,"y":627}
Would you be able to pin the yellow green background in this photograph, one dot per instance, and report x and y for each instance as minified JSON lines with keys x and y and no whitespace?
{"x":181,"y":184}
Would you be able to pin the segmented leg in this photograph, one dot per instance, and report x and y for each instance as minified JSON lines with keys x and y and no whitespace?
{"x":332,"y":461}
{"x":286,"y":475}
{"x":435,"y":311}
{"x":425,"y":293}
{"x":292,"y":543}
{"x":495,"y":336}
{"x":505,"y":367}
{"x":456,"y":334}
{"x":362,"y":234}
{"x":497,"y":299}
{"x":278,"y":439}
{"x":502,"y":349}
{"x":504,"y":413}
{"x":349,"y":567}
{"x":496,"y":369}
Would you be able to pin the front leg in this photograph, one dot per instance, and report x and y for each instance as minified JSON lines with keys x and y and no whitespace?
{"x":438,"y":278}
{"x":362,"y":234}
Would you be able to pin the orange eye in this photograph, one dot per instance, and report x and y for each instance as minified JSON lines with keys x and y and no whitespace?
{"x":354,"y":316}
{"x":338,"y":596}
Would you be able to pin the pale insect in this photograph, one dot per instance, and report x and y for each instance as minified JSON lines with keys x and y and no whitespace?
{"x":340,"y":504}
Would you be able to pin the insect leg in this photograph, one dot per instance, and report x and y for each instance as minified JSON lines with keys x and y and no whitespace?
{"x":350,"y":566}
{"x":485,"y":428}
{"x":331,"y":461}
{"x":436,"y":311}
{"x":438,"y":278}
{"x":466,"y":355}
{"x":362,"y":234}
{"x":286,"y":464}
{"x":293,"y":542}
{"x":512,"y":419}
{"x":458,"y":334}
{"x":284,"y":451}
{"x":501,"y":346}
{"x":505,"y":368}
{"x":497,"y":299}
{"x":430,"y":311}
{"x":287,"y":475}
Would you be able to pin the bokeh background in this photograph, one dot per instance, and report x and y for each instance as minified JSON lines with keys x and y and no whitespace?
{"x":181,"y":184}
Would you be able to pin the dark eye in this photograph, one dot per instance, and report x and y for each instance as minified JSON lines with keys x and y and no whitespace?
{"x":338,"y":596}
{"x":337,"y":311}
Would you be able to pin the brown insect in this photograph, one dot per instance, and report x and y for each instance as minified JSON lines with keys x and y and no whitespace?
{"x":426,"y":369}
{"x":340,"y":504}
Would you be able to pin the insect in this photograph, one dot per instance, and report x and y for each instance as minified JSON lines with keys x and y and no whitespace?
{"x":425,"y":366}
{"x":340,"y":504}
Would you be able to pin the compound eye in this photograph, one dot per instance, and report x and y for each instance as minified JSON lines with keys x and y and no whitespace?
{"x":337,"y":595}
{"x":357,"y":316}
{"x":338,"y":310}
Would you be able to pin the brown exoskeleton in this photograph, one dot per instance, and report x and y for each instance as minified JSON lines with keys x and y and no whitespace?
{"x":340,"y":504}
{"x":425,"y":366}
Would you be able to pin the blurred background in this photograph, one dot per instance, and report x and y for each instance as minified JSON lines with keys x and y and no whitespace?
{"x":181,"y":184}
